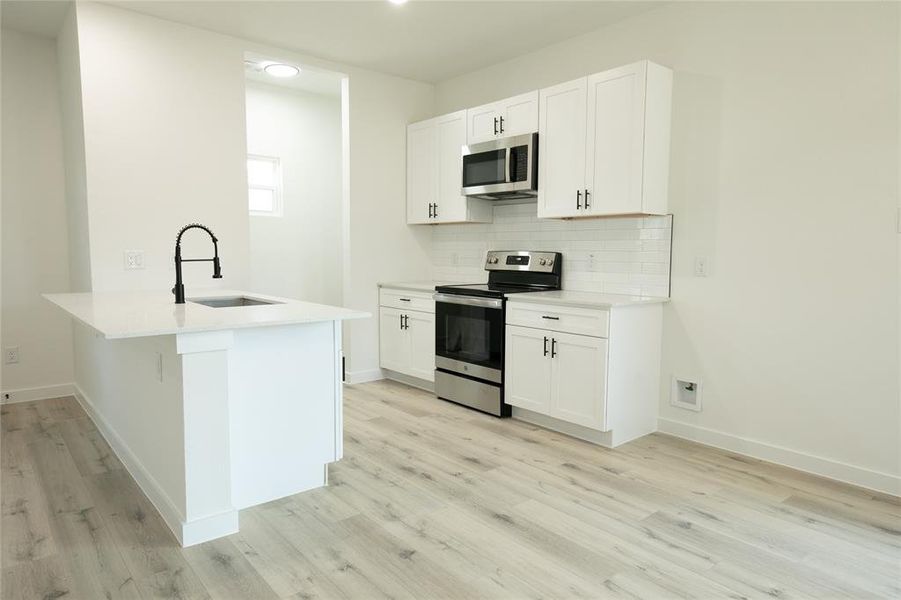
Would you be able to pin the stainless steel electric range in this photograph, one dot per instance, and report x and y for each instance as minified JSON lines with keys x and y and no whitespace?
{"x":469,"y":327}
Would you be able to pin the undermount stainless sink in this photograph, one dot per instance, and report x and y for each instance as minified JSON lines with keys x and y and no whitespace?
{"x":230,"y":301}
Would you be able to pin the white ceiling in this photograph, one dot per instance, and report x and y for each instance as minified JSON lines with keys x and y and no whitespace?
{"x":424,"y":40}
{"x":310,"y":80}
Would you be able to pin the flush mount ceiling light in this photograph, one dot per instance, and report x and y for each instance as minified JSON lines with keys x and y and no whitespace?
{"x":281,"y":70}
{"x":398,"y":2}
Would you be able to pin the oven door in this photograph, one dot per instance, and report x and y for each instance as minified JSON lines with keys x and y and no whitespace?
{"x":469,"y":336}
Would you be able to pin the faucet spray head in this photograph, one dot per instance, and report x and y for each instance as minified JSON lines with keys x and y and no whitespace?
{"x":217,"y":270}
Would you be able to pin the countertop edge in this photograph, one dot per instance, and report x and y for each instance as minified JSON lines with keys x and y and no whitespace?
{"x":354,"y":315}
{"x":537,"y":299}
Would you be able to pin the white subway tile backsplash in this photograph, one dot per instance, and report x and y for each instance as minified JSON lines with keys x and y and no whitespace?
{"x":629,"y":255}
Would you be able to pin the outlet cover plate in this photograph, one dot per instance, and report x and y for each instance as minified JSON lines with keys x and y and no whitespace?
{"x":134,"y":260}
{"x":11,"y":355}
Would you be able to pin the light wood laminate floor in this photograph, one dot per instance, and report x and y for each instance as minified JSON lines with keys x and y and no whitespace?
{"x":436,"y":501}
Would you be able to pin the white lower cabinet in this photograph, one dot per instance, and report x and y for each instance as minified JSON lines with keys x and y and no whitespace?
{"x":527,"y":368}
{"x":557,"y":374}
{"x":591,"y":373}
{"x":421,"y":333}
{"x":579,"y":380}
{"x":407,"y":337}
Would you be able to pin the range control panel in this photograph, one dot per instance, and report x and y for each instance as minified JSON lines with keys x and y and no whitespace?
{"x":522,"y":260}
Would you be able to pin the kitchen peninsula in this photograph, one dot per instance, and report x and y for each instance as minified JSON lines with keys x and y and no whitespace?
{"x":225,"y":402}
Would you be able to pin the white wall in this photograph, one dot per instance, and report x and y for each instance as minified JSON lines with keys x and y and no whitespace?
{"x":34,"y":233}
{"x":298,"y":254}
{"x":164,"y":109}
{"x":73,"y":150}
{"x":784,"y":173}
{"x":164,"y":146}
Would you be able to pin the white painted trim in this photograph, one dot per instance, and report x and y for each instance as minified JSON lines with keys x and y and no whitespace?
{"x":209,"y":528}
{"x":197,"y":531}
{"x":832,"y":469}
{"x":38,"y":393}
{"x":354,"y":377}
{"x":601,"y":438}
{"x":422,"y":384}
{"x":154,"y":492}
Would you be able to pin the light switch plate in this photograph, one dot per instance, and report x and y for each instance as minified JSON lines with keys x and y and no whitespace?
{"x":134,"y":260}
{"x":700,"y":266}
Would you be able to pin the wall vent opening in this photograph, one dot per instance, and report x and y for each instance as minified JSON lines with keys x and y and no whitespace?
{"x":686,"y":393}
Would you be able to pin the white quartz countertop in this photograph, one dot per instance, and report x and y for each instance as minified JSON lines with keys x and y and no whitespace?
{"x":142,"y":314}
{"x":584,"y":299}
{"x":415,"y":286}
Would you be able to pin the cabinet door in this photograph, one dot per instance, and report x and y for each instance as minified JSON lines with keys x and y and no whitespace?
{"x":579,"y":380}
{"x":422,"y":171}
{"x":527,"y":370}
{"x":519,"y":113}
{"x":616,"y":139}
{"x":421,"y":333}
{"x":561,"y":149}
{"x":482,"y":123}
{"x":394,"y":343}
{"x":450,"y":139}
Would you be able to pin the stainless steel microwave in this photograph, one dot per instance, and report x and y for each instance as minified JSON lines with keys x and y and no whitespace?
{"x":504,"y":169}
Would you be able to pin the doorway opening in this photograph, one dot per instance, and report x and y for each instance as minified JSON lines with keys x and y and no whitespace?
{"x":297,"y":193}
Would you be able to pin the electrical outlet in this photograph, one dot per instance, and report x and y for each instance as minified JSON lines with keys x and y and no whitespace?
{"x":455,"y":259}
{"x":700,"y":266}
{"x":134,"y":260}
{"x":591,"y":261}
{"x":11,"y":355}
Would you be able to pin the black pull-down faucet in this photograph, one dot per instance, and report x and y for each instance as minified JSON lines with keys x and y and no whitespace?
{"x":179,"y":289}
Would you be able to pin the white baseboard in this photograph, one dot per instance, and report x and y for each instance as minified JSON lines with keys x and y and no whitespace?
{"x":187,"y":533}
{"x":832,"y":469}
{"x":422,"y":384}
{"x":601,"y":438}
{"x":354,"y":377}
{"x":37,"y":393}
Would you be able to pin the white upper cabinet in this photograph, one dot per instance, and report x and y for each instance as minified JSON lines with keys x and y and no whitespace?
{"x":561,"y":148}
{"x":422,"y":170}
{"x":435,"y":172}
{"x":625,"y":113}
{"x":504,"y":118}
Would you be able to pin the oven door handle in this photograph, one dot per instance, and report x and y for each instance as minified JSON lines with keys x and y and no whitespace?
{"x":469,"y":301}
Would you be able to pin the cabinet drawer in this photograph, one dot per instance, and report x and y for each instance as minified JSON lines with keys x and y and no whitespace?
{"x":405,"y":300}
{"x":568,"y":319}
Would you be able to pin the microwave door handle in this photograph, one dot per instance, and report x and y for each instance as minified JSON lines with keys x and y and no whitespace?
{"x":507,"y":165}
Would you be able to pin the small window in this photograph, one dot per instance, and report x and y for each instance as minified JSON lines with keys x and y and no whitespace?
{"x":264,"y":182}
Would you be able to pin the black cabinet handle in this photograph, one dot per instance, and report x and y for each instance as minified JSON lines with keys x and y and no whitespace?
{"x":495,"y":125}
{"x":430,"y":210}
{"x":401,"y":321}
{"x":550,"y":318}
{"x":578,"y":199}
{"x":586,"y":198}
{"x":404,"y":299}
{"x":553,"y":348}
{"x":545,"y":345}
{"x":435,"y":211}
{"x":406,"y":321}
{"x":502,"y":124}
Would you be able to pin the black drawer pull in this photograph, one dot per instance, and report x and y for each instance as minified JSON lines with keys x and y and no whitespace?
{"x":550,"y":318}
{"x":404,"y":299}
